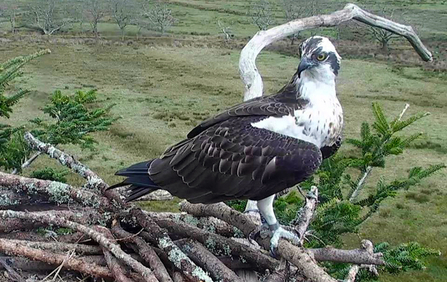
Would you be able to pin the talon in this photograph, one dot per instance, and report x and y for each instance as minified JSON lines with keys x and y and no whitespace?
{"x":259,"y":231}
{"x":280,"y":232}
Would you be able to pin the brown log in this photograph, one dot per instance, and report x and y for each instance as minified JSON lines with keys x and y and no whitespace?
{"x":58,"y":192}
{"x":161,"y":239}
{"x":85,"y":217}
{"x":112,"y":263}
{"x":76,"y":264}
{"x":59,"y":247}
{"x":357,"y":256}
{"x":93,"y":180}
{"x":298,"y":256}
{"x":211,"y":224}
{"x":256,"y":258}
{"x":144,"y":250}
{"x":98,"y":237}
{"x":201,"y":256}
{"x":13,"y":275}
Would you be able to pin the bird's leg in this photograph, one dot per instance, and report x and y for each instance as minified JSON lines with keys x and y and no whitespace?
{"x":265,"y":207}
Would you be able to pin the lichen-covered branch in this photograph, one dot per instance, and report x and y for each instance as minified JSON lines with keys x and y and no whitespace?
{"x":201,"y":256}
{"x":144,"y":250}
{"x":161,"y":239}
{"x":59,"y":247}
{"x":98,"y":237}
{"x":112,"y":263}
{"x":11,"y":248}
{"x":364,"y":255}
{"x":298,"y":256}
{"x":306,"y":213}
{"x":59,"y":193}
{"x":247,"y":63}
{"x":87,"y":216}
{"x":220,"y":244}
{"x":211,"y":224}
{"x":93,"y":180}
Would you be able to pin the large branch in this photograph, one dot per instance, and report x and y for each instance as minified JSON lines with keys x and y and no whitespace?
{"x":160,"y":238}
{"x":98,"y":237}
{"x":247,"y":63}
{"x":58,"y":192}
{"x":144,"y":250}
{"x":12,"y":248}
{"x":306,"y":213}
{"x":92,"y":178}
{"x":298,"y":256}
{"x":230,"y":247}
{"x":201,"y":256}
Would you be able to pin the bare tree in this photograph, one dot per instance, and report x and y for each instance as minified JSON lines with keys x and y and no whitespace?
{"x":157,"y":17}
{"x":261,"y":14}
{"x":11,"y":13}
{"x":382,"y":36}
{"x":293,"y":9}
{"x":227,"y":33}
{"x":122,"y":12}
{"x":50,"y":16}
{"x":94,"y":11}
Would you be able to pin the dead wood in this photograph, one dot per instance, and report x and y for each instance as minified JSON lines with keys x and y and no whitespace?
{"x":58,"y":192}
{"x":85,"y":216}
{"x":220,"y":244}
{"x":71,"y":263}
{"x":98,"y":237}
{"x":13,"y":275}
{"x":305,"y":214}
{"x":93,"y":180}
{"x":144,"y":250}
{"x":247,"y":63}
{"x":201,"y":256}
{"x":59,"y":247}
{"x":113,"y":264}
{"x":161,"y":239}
{"x":211,"y":224}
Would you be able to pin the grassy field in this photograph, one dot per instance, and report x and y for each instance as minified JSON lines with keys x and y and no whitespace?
{"x":162,"y":90}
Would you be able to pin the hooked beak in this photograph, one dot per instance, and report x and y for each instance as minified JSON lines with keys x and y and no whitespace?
{"x":304,"y":65}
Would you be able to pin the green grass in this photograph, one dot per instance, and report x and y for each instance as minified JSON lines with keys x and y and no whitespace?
{"x":162,"y":91}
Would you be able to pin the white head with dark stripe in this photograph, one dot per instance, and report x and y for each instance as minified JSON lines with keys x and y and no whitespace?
{"x":319,"y":60}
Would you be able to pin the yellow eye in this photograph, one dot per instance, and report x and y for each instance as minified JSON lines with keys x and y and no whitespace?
{"x":321,"y":56}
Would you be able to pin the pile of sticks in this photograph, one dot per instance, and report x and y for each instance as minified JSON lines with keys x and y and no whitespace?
{"x":110,"y":239}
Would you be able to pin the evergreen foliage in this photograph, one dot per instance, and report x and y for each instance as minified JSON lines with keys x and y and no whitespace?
{"x":13,"y":149}
{"x":340,"y":179}
{"x":74,"y":117}
{"x":49,"y":173}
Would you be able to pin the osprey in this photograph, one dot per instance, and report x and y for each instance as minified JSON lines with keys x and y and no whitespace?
{"x":258,"y":148}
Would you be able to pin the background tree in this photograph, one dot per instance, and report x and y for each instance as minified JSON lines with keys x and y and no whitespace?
{"x":122,"y":12}
{"x":293,"y":9}
{"x":50,"y":16}
{"x":261,"y":14}
{"x":94,"y":11}
{"x":11,"y":12}
{"x":157,"y":16}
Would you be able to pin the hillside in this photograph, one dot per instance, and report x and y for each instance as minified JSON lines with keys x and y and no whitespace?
{"x":164,"y":85}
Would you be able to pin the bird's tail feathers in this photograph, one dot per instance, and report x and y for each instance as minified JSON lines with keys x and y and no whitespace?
{"x":138,"y":179}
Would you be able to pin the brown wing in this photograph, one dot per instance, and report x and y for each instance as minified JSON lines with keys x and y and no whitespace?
{"x":234,"y":160}
{"x":283,"y":103}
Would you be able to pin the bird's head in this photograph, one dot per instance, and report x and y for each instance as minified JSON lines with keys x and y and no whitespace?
{"x":319,"y":59}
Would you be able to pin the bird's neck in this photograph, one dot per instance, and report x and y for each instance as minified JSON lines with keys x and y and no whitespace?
{"x":315,"y":89}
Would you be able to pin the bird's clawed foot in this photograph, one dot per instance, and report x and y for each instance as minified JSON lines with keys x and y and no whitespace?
{"x":279,"y":232}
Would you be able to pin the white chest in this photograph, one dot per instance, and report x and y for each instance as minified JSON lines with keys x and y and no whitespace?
{"x":320,"y":123}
